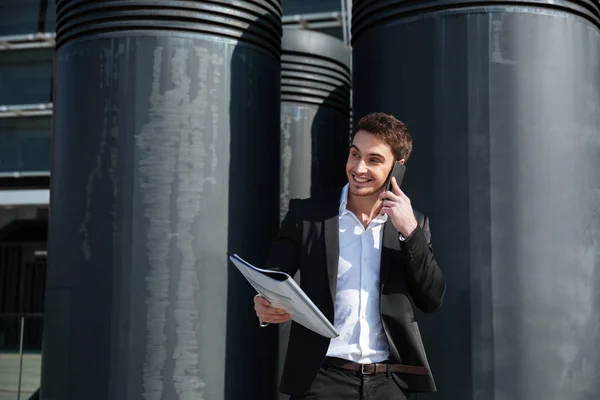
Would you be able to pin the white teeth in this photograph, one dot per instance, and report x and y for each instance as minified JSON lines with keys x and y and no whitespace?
{"x":360,"y":180}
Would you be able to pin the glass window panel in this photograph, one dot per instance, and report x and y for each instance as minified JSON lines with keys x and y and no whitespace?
{"x":291,"y":7}
{"x":18,"y":17}
{"x":26,"y":76}
{"x":25,"y":144}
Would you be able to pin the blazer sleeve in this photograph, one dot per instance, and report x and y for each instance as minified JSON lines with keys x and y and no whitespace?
{"x":426,"y":283}
{"x":284,"y":254}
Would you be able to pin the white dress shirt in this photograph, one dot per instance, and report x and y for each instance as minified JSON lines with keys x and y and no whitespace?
{"x":357,"y":315}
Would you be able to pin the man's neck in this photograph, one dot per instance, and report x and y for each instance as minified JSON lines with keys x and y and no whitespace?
{"x":364,"y":207}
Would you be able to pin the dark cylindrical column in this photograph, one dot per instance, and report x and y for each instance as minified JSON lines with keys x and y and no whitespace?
{"x":315,"y":122}
{"x":165,"y":157}
{"x":503,"y":100}
{"x":315,"y":113}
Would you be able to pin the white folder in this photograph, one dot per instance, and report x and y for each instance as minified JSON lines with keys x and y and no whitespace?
{"x":283,"y":292}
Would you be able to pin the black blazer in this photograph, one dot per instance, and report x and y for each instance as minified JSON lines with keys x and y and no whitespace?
{"x":309,"y":241}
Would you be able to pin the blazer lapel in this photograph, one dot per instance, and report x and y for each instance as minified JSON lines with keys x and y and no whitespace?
{"x":332,"y":239}
{"x":390,"y":242}
{"x":332,"y":252}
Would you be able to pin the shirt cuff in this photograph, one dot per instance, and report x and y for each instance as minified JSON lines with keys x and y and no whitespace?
{"x":402,"y":238}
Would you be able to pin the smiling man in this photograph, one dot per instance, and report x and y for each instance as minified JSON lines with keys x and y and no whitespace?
{"x":366,"y":260}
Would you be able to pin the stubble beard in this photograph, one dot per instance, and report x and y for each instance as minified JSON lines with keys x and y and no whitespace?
{"x":370,"y":193}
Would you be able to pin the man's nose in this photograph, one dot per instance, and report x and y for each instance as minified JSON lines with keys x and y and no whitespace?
{"x":361,"y":167}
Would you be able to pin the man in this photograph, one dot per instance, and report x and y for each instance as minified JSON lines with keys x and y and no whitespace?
{"x":365,"y":258}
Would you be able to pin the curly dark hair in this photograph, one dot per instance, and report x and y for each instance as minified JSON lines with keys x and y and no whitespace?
{"x":388,"y":129}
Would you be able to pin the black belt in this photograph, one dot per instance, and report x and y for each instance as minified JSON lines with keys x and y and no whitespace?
{"x":368,"y":369}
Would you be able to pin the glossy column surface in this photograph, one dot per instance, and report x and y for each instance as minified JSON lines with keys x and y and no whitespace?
{"x":165,"y":158}
{"x":503,"y":101}
{"x":315,"y":113}
{"x":315,"y":123}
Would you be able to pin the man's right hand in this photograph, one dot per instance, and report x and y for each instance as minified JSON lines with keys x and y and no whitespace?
{"x":268,"y":314}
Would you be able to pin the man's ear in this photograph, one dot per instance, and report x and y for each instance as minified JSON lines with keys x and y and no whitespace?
{"x":402,"y":161}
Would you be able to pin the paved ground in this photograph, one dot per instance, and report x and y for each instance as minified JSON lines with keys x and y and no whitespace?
{"x":9,"y":375}
{"x":14,"y":395}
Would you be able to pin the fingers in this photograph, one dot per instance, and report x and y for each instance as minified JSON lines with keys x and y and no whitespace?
{"x":258,"y":299}
{"x":396,"y":188}
{"x":388,"y":195}
{"x":266,"y":313}
{"x":387,"y":204}
{"x":275,"y":319}
{"x":398,"y":196}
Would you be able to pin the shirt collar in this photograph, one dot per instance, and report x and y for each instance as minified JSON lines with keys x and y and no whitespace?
{"x":344,"y":203}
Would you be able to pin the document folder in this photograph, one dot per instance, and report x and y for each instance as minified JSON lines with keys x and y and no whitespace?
{"x":283,"y":292}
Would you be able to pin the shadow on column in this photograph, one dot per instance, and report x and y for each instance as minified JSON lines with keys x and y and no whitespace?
{"x":251,"y":353}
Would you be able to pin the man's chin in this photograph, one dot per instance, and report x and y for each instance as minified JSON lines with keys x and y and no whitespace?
{"x":362,"y":191}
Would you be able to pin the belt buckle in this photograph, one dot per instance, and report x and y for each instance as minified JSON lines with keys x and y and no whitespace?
{"x":362,"y":369}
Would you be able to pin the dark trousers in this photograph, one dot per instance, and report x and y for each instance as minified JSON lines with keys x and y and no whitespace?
{"x":333,"y":383}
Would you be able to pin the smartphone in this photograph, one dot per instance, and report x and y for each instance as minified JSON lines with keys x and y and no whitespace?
{"x":397,"y":171}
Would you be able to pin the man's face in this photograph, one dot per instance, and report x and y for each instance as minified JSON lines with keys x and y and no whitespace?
{"x":369,"y":164}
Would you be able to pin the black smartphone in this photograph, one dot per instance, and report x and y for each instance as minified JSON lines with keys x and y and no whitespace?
{"x":397,"y":172}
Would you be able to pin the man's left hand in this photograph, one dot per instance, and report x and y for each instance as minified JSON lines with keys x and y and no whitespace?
{"x":398,"y":208}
